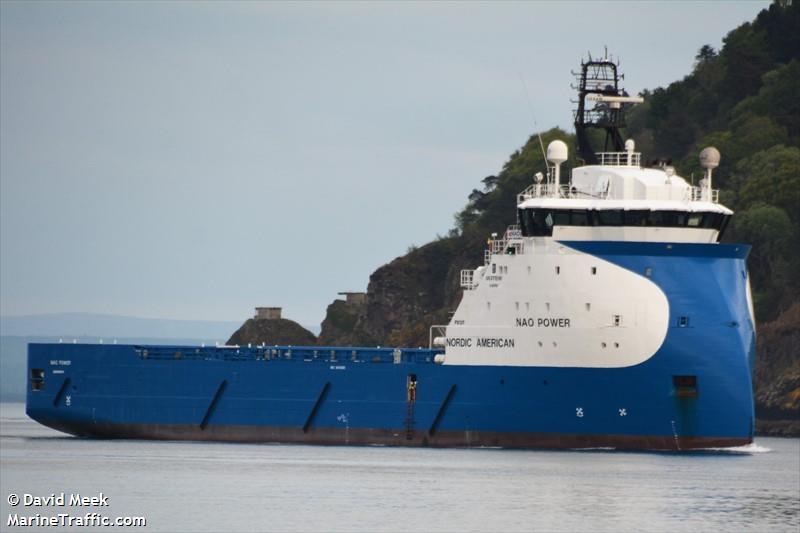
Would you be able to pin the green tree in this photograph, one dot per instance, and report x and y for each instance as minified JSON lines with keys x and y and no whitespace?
{"x":777,"y":98}
{"x":770,"y":176}
{"x":772,"y":234}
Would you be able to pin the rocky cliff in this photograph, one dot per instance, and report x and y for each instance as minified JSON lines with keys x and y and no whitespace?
{"x":338,"y":327}
{"x":405,"y":297}
{"x":776,"y":380}
{"x":278,"y":331}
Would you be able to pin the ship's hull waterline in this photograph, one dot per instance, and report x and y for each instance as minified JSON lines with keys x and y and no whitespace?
{"x":390,"y":437}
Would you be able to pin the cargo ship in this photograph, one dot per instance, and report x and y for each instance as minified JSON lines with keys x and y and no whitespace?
{"x":610,"y":316}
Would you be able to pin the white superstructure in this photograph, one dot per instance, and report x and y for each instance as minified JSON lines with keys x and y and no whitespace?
{"x":538,"y":302}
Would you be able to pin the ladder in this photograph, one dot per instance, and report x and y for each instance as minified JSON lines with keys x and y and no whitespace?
{"x":409,"y":420}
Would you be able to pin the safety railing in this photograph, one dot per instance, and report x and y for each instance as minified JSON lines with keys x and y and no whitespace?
{"x":467,"y":279}
{"x":499,"y":245}
{"x":701,"y":194}
{"x":287,"y":353}
{"x":619,"y":159}
{"x":543,"y":190}
{"x":436,"y":332}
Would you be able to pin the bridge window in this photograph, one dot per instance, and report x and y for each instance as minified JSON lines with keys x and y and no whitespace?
{"x":540,"y":222}
{"x":611,"y":217}
{"x":579,"y":218}
{"x":636,"y":218}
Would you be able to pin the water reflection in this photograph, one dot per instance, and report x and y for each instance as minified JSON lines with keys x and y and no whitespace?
{"x":210,"y":487}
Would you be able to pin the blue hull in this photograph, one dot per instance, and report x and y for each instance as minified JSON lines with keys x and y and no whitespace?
{"x":694,"y":392}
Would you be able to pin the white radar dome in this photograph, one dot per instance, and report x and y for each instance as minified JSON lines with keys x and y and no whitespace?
{"x":557,"y":152}
{"x":709,"y":157}
{"x":630,"y":146}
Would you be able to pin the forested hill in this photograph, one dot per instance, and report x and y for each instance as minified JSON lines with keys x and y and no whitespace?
{"x":743,"y":99}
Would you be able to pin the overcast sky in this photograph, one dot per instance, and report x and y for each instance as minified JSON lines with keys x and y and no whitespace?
{"x":194,"y":160}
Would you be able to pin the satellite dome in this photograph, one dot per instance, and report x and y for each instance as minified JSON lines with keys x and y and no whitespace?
{"x":630,"y":146}
{"x":709,"y":157}
{"x":557,"y":152}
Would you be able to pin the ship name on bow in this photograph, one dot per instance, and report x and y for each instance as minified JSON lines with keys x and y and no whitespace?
{"x":543,"y":322}
{"x":480,"y":342}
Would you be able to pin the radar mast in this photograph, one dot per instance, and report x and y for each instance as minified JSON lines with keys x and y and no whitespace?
{"x":599,"y":86}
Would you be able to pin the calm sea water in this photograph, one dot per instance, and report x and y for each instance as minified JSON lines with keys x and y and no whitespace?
{"x":235,"y":487}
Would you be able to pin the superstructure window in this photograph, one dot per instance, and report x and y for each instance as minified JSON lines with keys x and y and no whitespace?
{"x":611,"y":217}
{"x":579,"y":217}
{"x":540,"y":222}
{"x":636,"y":218}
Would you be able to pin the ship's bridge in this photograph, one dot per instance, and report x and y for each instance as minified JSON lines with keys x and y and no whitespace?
{"x":619,"y":200}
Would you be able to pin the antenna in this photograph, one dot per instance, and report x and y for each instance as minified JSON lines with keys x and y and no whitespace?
{"x":530,"y":108}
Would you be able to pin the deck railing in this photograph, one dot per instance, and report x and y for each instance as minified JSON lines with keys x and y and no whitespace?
{"x":499,"y":245}
{"x":467,"y":279}
{"x":543,"y":190}
{"x":287,"y":353}
{"x":619,"y":159}
{"x":701,"y":194}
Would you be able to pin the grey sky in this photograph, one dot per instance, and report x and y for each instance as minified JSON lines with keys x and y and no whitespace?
{"x":193,"y":161}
